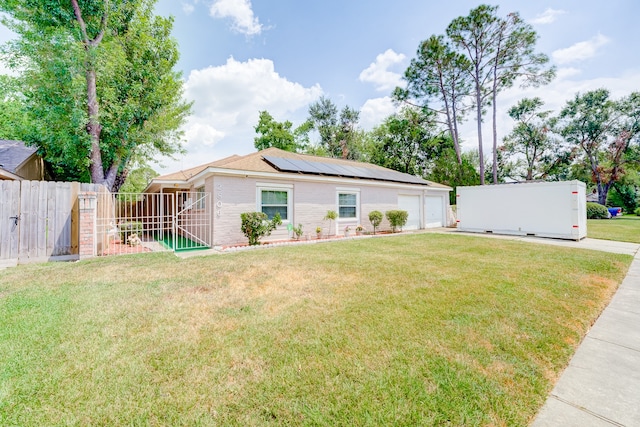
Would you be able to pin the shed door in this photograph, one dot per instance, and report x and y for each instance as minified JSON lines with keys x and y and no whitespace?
{"x":434,"y":211}
{"x":410,"y":204}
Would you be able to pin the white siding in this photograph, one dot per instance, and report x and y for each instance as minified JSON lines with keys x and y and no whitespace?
{"x":311,"y":201}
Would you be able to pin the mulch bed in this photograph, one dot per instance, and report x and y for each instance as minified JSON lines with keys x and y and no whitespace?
{"x":118,"y":248}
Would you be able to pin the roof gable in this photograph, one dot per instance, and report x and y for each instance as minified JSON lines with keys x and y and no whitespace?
{"x":13,"y":154}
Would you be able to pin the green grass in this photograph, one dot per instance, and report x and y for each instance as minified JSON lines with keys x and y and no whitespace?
{"x":625,"y":228}
{"x":409,"y":330}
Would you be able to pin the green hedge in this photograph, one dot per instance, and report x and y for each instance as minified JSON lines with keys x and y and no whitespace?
{"x":596,"y":211}
{"x":397,"y":218}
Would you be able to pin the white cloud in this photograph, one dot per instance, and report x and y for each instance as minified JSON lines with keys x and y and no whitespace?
{"x":564,"y":73}
{"x":227,"y":101}
{"x":548,"y":16}
{"x":241,"y":14}
{"x":580,"y":51}
{"x":378,"y":72}
{"x":375,"y":110}
{"x":188,"y":8}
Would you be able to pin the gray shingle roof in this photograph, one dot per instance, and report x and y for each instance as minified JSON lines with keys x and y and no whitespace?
{"x":13,"y":154}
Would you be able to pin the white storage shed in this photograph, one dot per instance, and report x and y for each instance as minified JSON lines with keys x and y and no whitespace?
{"x":543,"y":209}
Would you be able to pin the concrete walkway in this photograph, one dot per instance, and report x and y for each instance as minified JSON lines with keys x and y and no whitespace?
{"x":586,"y":243}
{"x":601,"y":385}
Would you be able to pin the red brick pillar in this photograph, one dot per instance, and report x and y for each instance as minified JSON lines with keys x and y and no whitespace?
{"x":87,"y":234}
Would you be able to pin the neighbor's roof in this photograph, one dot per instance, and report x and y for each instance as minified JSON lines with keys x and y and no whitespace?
{"x":13,"y":154}
{"x":268,"y":161}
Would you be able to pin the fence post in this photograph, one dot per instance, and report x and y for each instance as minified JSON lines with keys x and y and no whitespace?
{"x":87,"y":233}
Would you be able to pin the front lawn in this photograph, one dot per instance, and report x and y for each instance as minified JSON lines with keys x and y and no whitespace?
{"x":423,"y":329}
{"x":625,"y":228}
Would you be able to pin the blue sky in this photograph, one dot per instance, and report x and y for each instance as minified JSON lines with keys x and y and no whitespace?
{"x":239,"y":57}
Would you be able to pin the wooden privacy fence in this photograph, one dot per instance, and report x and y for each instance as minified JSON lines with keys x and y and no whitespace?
{"x":38,"y":220}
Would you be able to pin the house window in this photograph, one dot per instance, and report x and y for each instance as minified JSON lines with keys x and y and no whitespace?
{"x":274,"y":201}
{"x":347,"y":205}
{"x":200,"y":198}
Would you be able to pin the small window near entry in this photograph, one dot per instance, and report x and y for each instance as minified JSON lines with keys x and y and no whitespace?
{"x":275,"y":201}
{"x":200,"y":198}
{"x":347,"y":205}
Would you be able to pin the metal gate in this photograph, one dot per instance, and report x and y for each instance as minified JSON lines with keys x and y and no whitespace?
{"x":138,"y":222}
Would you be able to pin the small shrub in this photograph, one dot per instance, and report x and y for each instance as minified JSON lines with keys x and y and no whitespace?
{"x":596,"y":211}
{"x":256,"y":225}
{"x":331,"y":216}
{"x":637,"y":212}
{"x":297,"y":231}
{"x":375,"y":217}
{"x":397,"y":219}
{"x":126,"y":229}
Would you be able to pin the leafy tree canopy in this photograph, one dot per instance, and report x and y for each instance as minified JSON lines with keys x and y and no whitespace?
{"x":98,"y":82}
{"x":337,"y":132}
{"x":603,"y":130}
{"x":536,"y":152}
{"x":274,"y":134}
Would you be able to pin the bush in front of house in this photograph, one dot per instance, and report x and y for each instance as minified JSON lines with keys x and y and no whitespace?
{"x":375,"y":217}
{"x":331,"y":216}
{"x":129,"y":228}
{"x":596,"y":211}
{"x":397,"y":218}
{"x":297,"y":231}
{"x":256,"y":225}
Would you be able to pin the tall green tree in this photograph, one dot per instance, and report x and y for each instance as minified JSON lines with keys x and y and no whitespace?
{"x":446,"y":170}
{"x":98,"y":78}
{"x":476,"y":35}
{"x":14,"y":120}
{"x":407,"y":141}
{"x":346,"y":134}
{"x":337,"y":131}
{"x":514,"y":58}
{"x":438,"y":74}
{"x":323,"y":117}
{"x":532,"y":143}
{"x":500,"y":50}
{"x":138,"y":179}
{"x":603,"y":129}
{"x":274,"y":134}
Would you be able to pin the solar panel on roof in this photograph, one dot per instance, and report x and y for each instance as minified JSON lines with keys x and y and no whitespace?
{"x":281,"y":164}
{"x":313,"y":166}
{"x":353,"y":170}
{"x":334,"y":169}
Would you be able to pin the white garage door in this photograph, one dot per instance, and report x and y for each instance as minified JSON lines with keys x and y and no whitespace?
{"x":410,"y":204}
{"x":434,"y":211}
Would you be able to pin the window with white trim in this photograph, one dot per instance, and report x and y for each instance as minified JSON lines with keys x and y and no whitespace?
{"x":348,"y":205}
{"x":200,"y":198}
{"x":273,"y":200}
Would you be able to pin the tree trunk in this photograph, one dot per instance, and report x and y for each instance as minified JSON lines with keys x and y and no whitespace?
{"x":495,"y":140}
{"x":603,"y":191}
{"x":479,"y":120}
{"x":451,"y":122}
{"x":93,"y":127}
